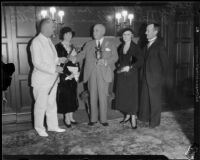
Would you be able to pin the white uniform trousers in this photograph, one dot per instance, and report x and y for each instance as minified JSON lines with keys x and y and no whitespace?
{"x":45,"y":105}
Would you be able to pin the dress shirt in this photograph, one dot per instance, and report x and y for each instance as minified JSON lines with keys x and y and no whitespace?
{"x":151,"y":41}
{"x":101,"y":41}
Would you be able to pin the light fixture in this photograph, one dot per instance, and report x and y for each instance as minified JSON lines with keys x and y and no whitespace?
{"x":124,"y":19}
{"x":57,"y":17}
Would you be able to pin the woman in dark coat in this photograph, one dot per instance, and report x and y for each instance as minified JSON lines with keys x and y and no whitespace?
{"x":130,"y":60}
{"x":67,"y":101}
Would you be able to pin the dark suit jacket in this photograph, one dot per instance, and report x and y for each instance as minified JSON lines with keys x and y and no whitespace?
{"x":155,"y":63}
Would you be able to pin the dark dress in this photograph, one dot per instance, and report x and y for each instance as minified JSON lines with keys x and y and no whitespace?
{"x":67,"y":89}
{"x":127,"y":82}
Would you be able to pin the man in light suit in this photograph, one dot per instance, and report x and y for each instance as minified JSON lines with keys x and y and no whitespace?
{"x":153,"y":77}
{"x":98,"y":71}
{"x":45,"y":61}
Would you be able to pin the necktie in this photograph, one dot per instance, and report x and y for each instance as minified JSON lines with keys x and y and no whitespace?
{"x":98,"y":44}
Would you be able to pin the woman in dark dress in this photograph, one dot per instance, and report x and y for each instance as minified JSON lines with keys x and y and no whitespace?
{"x":130,"y":60}
{"x":67,"y":101}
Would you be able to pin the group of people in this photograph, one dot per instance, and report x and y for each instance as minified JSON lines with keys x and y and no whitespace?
{"x":57,"y":69}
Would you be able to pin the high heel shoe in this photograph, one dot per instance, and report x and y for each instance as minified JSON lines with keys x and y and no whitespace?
{"x":74,"y":122}
{"x":133,"y":127}
{"x":125,"y":120}
{"x":67,"y":125}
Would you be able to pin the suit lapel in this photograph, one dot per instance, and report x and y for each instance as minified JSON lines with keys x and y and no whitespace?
{"x":153,"y":44}
{"x":103,"y":45}
{"x":148,"y":50}
{"x":93,"y":48}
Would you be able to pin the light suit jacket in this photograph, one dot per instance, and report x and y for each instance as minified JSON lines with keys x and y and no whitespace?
{"x":44,"y":58}
{"x":109,"y":53}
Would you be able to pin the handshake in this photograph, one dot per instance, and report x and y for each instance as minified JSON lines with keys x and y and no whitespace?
{"x":71,"y":57}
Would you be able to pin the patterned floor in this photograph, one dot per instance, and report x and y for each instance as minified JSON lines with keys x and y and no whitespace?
{"x":172,"y":138}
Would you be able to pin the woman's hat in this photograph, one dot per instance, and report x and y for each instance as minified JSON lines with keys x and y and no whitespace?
{"x":127,"y":29}
{"x":66,"y":30}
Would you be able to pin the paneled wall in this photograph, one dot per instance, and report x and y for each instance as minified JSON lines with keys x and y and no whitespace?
{"x":19,"y":27}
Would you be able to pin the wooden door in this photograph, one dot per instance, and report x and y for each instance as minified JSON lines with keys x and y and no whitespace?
{"x":9,"y":107}
{"x":20,"y":27}
{"x":184,"y":55}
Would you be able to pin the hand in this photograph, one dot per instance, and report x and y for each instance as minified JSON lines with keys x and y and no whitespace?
{"x":62,"y":60}
{"x":102,"y":62}
{"x":72,"y":58}
{"x":76,"y":75}
{"x":74,"y":53}
{"x":69,"y":77}
{"x":125,"y":69}
{"x":59,"y":69}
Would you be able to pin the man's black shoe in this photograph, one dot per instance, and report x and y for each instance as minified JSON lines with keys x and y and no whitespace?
{"x":92,"y":123}
{"x":105,"y":124}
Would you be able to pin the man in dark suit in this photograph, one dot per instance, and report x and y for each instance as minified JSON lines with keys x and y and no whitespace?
{"x":153,"y":76}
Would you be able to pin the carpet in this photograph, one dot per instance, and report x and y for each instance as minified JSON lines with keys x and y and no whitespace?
{"x":172,"y":139}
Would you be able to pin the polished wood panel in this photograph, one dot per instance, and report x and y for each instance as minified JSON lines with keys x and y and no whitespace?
{"x":23,"y":67}
{"x":3,"y":24}
{"x":25,"y":97}
{"x":25,"y":21}
{"x":4,"y":52}
{"x":184,"y":56}
{"x":9,"y":107}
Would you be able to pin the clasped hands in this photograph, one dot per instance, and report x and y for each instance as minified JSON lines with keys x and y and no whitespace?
{"x":124,"y":69}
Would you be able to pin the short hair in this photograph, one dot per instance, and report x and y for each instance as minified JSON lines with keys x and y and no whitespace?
{"x":43,"y":22}
{"x":156,"y":26}
{"x":65,"y":30}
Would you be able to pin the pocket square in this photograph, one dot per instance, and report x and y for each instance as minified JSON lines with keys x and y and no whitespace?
{"x":107,"y":49}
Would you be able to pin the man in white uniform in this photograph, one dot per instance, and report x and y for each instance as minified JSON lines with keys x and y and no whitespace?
{"x":45,"y":61}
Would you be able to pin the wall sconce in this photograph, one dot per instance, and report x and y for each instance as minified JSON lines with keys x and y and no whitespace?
{"x":124,"y":19}
{"x":57,"y":18}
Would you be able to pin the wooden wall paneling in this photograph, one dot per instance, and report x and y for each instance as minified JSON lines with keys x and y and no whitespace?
{"x":9,"y":108}
{"x":23,"y":29}
{"x":23,"y":67}
{"x":4,"y":52}
{"x":184,"y":56}
{"x":3,"y":23}
{"x":25,"y":21}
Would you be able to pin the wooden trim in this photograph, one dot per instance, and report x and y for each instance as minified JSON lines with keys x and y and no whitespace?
{"x":9,"y":118}
{"x":7,"y":52}
{"x":4,"y":17}
{"x":16,"y":31}
{"x":18,"y":58}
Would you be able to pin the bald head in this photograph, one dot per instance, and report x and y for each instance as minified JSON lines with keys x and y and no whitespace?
{"x":99,"y":31}
{"x":47,"y":27}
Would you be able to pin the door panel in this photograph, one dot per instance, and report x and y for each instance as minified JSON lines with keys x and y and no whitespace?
{"x":9,"y":107}
{"x":184,"y":56}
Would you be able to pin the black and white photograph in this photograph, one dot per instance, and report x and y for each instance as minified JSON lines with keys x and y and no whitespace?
{"x":100,"y":80}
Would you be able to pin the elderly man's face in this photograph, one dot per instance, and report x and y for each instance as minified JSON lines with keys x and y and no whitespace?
{"x":98,"y":32}
{"x":151,"y":32}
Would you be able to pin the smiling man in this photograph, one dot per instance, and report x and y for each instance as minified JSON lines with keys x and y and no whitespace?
{"x":100,"y":56}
